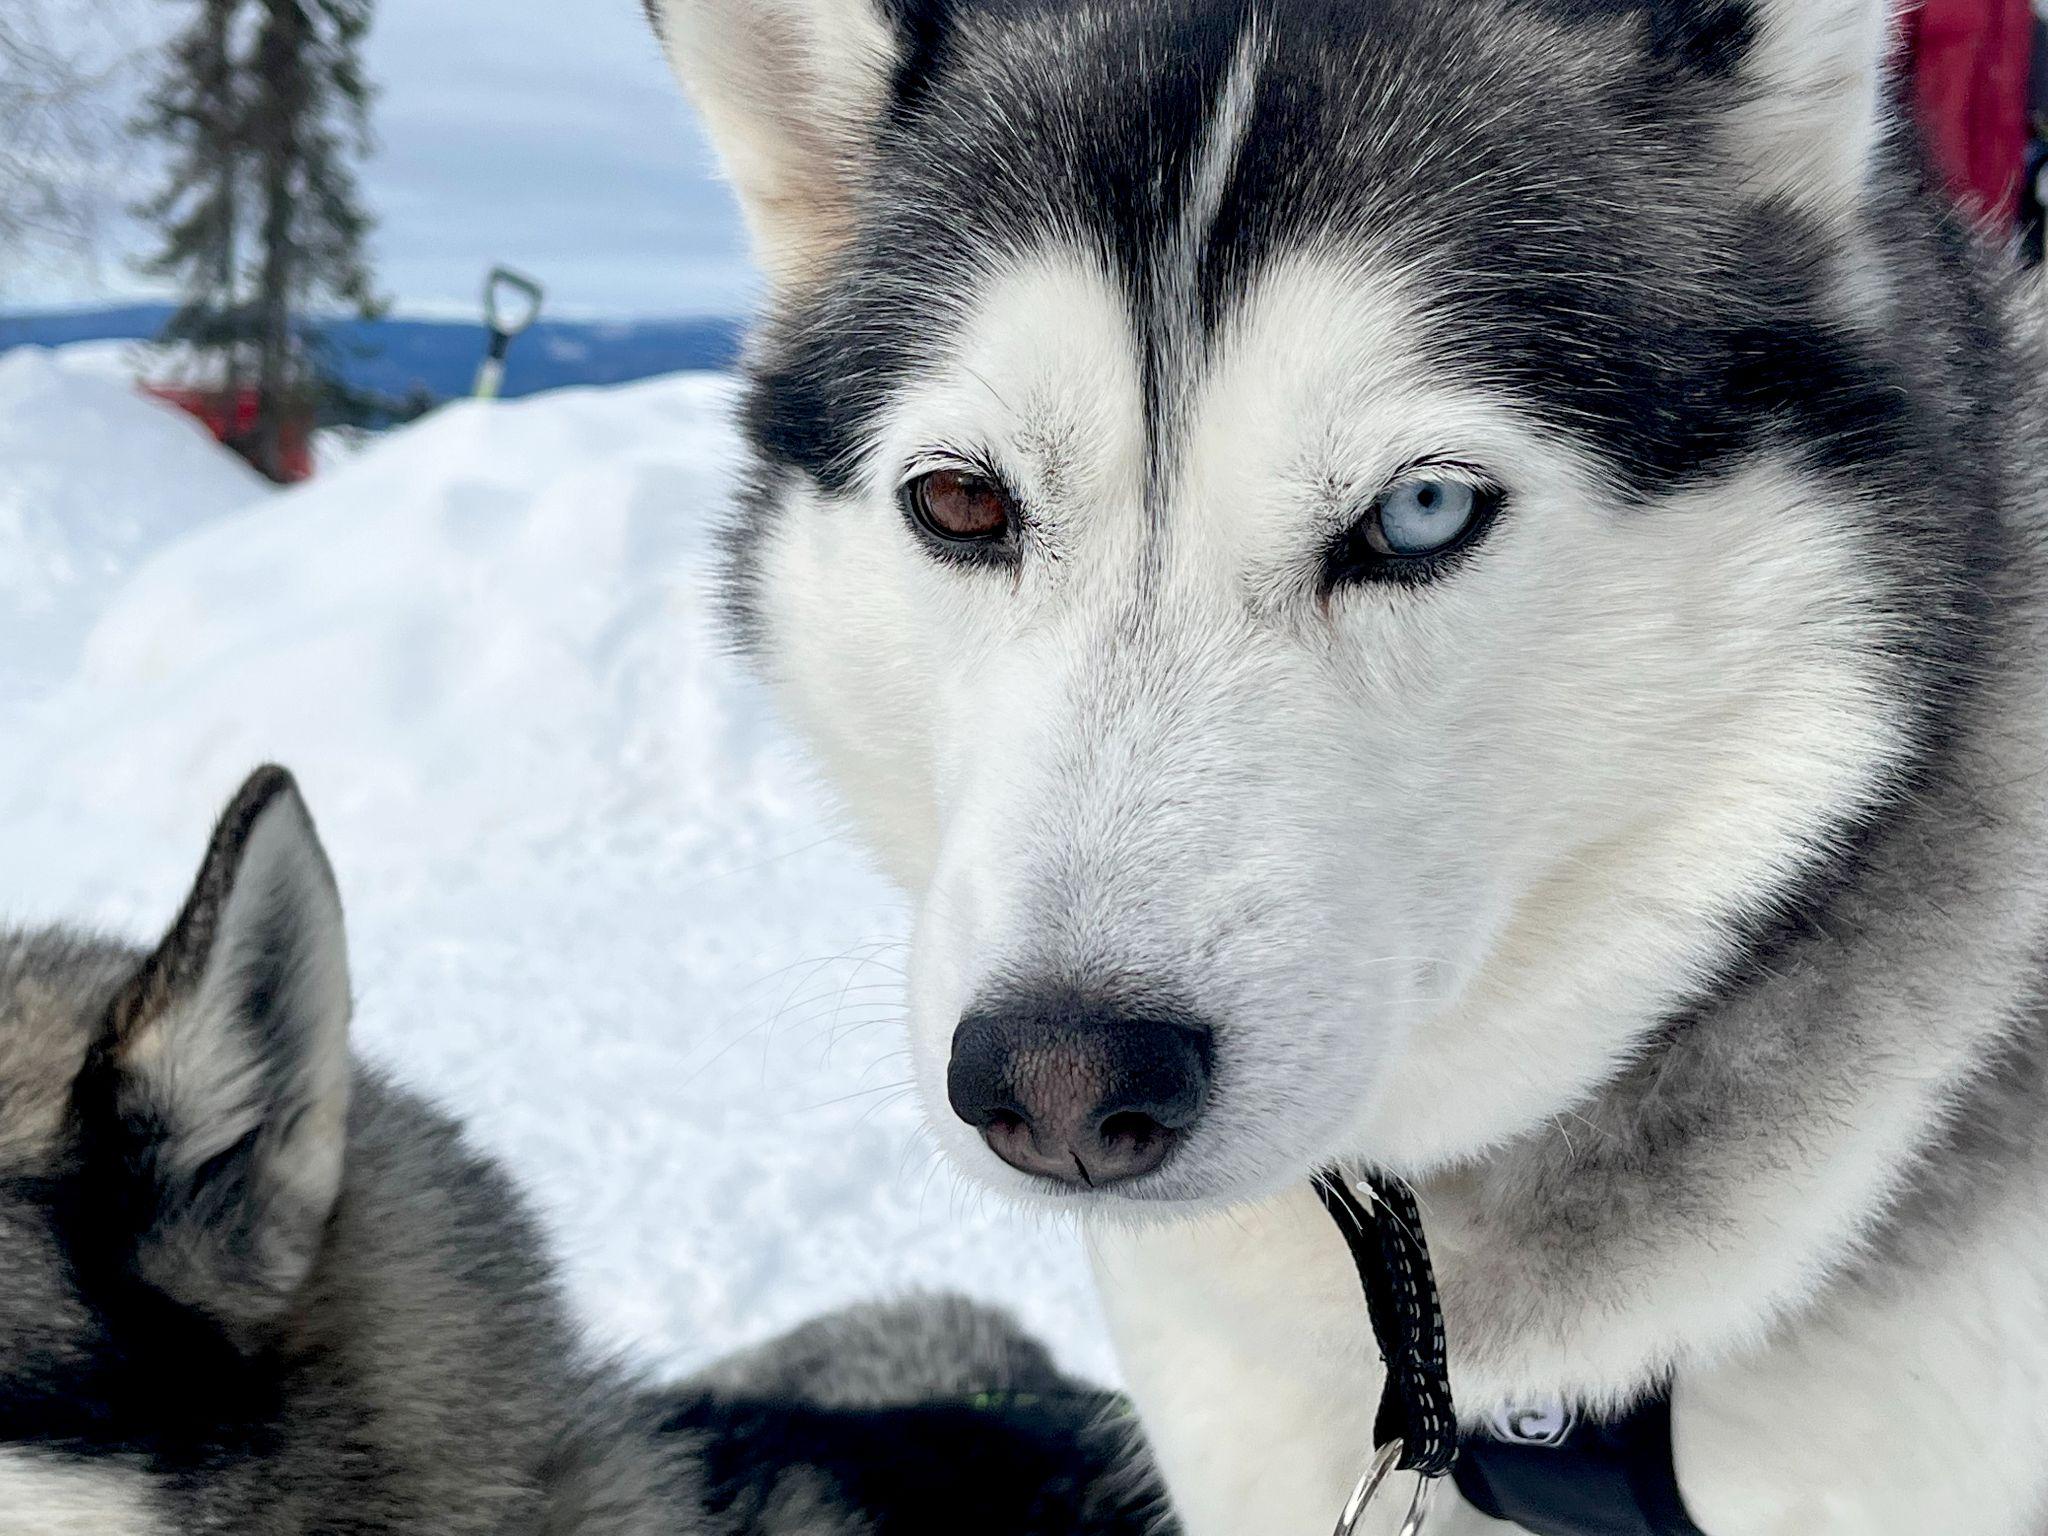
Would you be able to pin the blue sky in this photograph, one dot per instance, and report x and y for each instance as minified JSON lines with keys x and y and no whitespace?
{"x":544,"y":133}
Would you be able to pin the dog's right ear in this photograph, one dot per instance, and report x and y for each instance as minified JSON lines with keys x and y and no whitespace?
{"x":230,"y":1070}
{"x":793,"y":92}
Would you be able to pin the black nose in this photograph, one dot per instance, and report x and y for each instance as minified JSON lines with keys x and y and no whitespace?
{"x":1078,"y":1092}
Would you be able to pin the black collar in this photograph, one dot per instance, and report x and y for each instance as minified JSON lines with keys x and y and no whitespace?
{"x":1553,"y":1474}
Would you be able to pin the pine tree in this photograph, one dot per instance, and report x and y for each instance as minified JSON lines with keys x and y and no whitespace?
{"x":263,"y":216}
{"x":199,"y":107}
{"x":311,"y":116}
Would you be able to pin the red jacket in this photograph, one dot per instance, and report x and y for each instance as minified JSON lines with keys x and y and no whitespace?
{"x":1970,"y":61}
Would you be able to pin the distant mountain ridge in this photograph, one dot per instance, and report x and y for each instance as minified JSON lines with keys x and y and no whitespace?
{"x":397,"y":357}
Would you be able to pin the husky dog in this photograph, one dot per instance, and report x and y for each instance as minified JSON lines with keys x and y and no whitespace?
{"x":1455,"y":585}
{"x":248,"y":1288}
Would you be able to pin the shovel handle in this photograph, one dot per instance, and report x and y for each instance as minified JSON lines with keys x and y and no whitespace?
{"x":505,"y":321}
{"x":500,"y":288}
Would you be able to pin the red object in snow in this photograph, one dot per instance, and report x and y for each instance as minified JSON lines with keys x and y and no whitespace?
{"x":231,"y":418}
{"x":1970,"y":61}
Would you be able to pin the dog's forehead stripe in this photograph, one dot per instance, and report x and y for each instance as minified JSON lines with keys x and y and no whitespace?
{"x":1211,"y":171}
{"x":1223,"y":139}
{"x":1176,"y":337}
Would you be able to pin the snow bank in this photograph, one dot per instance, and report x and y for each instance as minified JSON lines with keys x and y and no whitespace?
{"x":93,"y":477}
{"x":596,"y":905}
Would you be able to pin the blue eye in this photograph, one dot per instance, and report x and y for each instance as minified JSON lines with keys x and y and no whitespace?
{"x":1413,"y":529}
{"x":1422,"y":516}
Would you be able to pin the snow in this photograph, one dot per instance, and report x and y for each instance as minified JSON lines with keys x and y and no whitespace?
{"x":93,"y":478}
{"x":598,"y":906}
{"x":122,"y":361}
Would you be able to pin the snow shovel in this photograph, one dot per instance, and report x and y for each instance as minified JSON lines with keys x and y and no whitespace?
{"x":511,"y":305}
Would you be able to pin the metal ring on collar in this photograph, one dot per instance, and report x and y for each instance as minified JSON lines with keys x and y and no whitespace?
{"x":1384,"y":1462}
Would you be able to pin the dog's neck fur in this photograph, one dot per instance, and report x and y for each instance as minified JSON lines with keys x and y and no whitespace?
{"x":1852,"y":1103}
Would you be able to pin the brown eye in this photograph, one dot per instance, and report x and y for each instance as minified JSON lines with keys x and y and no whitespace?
{"x":959,"y":505}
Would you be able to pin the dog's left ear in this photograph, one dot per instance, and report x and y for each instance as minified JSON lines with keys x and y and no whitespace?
{"x":231,"y":1069}
{"x":793,"y":92}
{"x":1810,"y":105}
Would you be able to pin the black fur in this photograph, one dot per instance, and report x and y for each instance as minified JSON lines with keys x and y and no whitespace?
{"x":1001,"y":1465}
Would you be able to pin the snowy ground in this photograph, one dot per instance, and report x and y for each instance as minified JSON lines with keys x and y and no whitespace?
{"x":76,"y":518}
{"x":597,"y":906}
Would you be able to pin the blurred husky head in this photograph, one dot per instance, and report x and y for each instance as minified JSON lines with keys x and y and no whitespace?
{"x":246,"y":1286}
{"x":1357,"y":556}
{"x":249,"y":1288}
{"x":197,"y":1098}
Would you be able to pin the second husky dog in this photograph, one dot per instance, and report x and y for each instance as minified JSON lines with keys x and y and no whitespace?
{"x":249,"y":1289}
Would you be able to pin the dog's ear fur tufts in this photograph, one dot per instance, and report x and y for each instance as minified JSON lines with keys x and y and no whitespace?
{"x":1816,"y":109}
{"x":231,"y":1068}
{"x":792,"y":92}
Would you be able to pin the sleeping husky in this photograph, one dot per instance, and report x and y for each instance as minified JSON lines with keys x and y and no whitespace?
{"x":250,"y":1289}
{"x":1454,"y":587}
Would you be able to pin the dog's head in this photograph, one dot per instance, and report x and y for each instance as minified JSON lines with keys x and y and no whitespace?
{"x":171,"y":1143}
{"x":1355,"y":554}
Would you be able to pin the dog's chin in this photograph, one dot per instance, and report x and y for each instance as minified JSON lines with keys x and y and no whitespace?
{"x":1190,"y":1185}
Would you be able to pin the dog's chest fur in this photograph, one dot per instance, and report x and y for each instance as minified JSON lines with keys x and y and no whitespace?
{"x":1910,"y":1408}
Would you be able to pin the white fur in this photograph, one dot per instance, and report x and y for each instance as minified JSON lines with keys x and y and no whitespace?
{"x":1815,"y":112}
{"x":42,"y":1495}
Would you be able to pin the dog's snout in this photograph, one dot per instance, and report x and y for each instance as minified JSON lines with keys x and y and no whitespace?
{"x":1085,"y":1095}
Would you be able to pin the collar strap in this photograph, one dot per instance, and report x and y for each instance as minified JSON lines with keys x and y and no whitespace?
{"x":1382,"y":1226}
{"x":1555,"y":1474}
